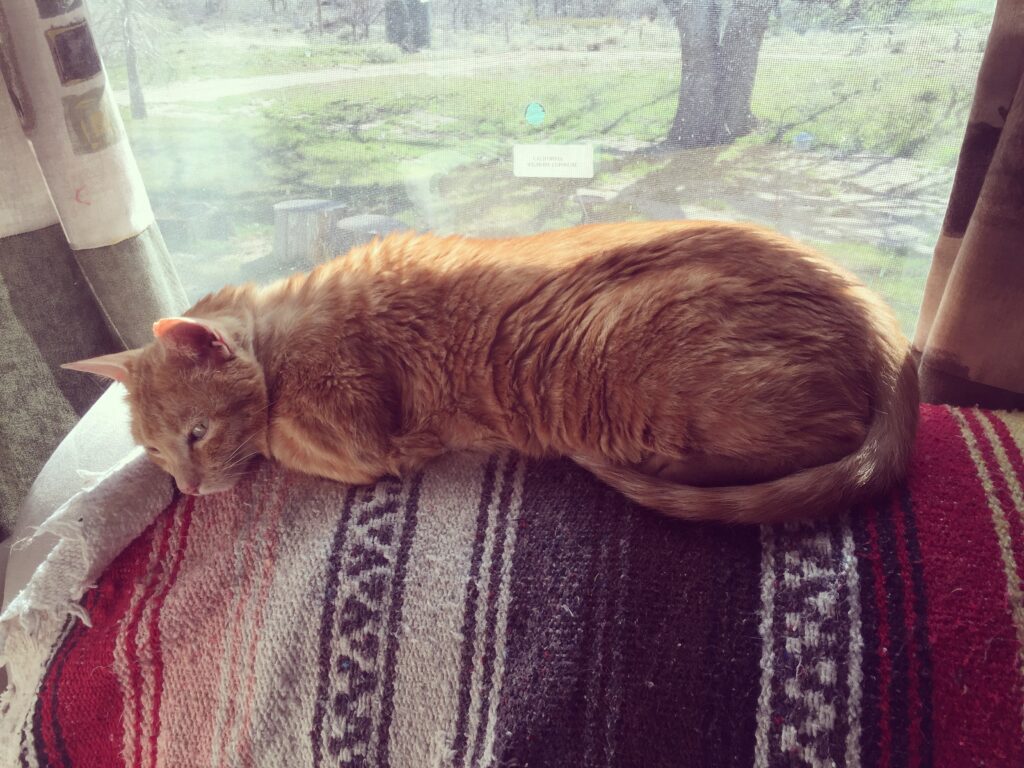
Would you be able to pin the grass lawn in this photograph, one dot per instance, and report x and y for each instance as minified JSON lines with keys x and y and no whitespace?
{"x":378,"y":141}
{"x":182,"y":53}
{"x":898,"y":277}
{"x":362,"y":132}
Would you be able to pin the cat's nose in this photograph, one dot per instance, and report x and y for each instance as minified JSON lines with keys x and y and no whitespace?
{"x":189,"y":488}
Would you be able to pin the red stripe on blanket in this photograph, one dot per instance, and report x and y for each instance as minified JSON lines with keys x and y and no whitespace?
{"x":241,"y":655}
{"x":966,"y":595}
{"x":1002,"y":489}
{"x":47,"y":726}
{"x":87,"y":693}
{"x":914,"y":703}
{"x":135,"y":660}
{"x":883,"y":639}
{"x":1011,"y":448}
{"x":272,"y":536}
{"x":154,"y":624}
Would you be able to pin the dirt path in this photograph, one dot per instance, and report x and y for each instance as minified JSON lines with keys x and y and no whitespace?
{"x":213,"y":89}
{"x":220,"y":88}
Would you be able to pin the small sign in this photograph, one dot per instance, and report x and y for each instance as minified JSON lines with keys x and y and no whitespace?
{"x":553,"y":161}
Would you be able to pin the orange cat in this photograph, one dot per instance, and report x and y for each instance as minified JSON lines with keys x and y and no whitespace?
{"x":704,"y":369}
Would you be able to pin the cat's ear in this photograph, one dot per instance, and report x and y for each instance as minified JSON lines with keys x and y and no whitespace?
{"x":116,"y":366}
{"x":197,"y":339}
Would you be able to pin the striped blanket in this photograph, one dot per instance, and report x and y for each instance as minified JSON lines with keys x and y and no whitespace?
{"x":494,"y":612}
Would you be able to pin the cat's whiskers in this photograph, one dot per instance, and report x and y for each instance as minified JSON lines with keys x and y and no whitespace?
{"x":240,"y":446}
{"x":239,"y":462}
{"x":232,"y":478}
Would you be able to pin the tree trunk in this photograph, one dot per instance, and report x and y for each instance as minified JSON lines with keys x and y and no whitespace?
{"x":698,"y":118}
{"x":739,"y":51}
{"x":136,"y":98}
{"x":717,"y":69}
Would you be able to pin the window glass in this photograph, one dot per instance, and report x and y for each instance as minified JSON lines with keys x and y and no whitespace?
{"x":274,"y":133}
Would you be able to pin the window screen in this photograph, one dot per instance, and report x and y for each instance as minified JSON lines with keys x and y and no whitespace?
{"x":273,"y":134}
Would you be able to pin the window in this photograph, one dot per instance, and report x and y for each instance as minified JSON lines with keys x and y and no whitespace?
{"x":265,"y":126}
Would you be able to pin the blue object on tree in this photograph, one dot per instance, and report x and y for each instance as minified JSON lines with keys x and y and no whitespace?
{"x":803,"y":141}
{"x":535,"y":113}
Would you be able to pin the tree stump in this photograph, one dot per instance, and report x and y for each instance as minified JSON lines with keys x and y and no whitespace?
{"x":357,"y":230}
{"x":301,"y":228}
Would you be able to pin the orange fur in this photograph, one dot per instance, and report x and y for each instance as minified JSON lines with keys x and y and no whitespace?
{"x":705,"y":369}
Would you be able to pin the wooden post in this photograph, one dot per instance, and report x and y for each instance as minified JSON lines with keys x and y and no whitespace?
{"x":298,"y":224}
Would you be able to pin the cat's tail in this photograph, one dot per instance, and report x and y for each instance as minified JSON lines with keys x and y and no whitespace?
{"x":871,"y":470}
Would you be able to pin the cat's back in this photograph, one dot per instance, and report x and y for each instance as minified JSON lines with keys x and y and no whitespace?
{"x":517,"y":280}
{"x":744,"y":266}
{"x":629,"y":247}
{"x":631,"y":319}
{"x":510,"y":285}
{"x":547,"y":251}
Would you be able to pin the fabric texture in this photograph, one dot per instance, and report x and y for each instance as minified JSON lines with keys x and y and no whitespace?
{"x":83,"y":269}
{"x":39,"y":402}
{"x":972,"y":318}
{"x":494,"y":612}
{"x":99,"y":441}
{"x":60,"y":95}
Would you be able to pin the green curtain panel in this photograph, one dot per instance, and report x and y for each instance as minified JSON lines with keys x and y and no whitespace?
{"x":971,"y":330}
{"x":83,"y":269}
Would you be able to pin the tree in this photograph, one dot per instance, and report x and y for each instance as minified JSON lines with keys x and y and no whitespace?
{"x":136,"y":99}
{"x":718,"y":64}
{"x":359,"y":15}
{"x":127,"y":28}
{"x":407,"y":24}
{"x":719,"y":58}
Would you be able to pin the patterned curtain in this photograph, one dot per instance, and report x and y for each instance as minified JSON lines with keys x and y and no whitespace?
{"x":971,"y":332}
{"x":83,"y":269}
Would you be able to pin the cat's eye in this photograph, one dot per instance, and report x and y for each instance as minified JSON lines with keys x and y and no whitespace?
{"x":198,"y":432}
{"x":153,"y":450}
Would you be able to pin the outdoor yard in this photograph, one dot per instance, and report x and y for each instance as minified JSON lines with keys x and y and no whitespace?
{"x":855,"y":138}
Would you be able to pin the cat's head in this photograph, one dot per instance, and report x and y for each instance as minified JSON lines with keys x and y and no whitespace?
{"x":198,"y":401}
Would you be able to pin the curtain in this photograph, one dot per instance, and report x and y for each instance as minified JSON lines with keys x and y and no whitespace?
{"x":83,"y":269}
{"x":970,"y":335}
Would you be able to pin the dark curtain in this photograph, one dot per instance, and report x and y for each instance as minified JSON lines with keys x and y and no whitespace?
{"x":970,"y":335}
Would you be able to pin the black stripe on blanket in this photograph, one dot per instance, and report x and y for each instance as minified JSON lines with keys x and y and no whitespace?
{"x":632,"y":639}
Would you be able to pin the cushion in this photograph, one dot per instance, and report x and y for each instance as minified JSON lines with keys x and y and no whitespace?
{"x":495,"y":611}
